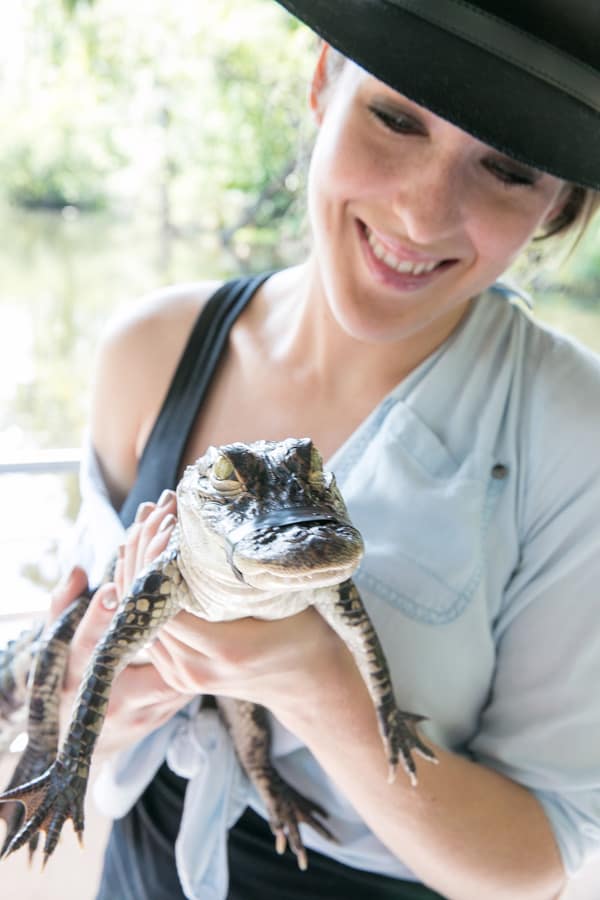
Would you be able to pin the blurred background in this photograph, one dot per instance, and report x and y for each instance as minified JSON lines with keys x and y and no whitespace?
{"x":142,"y":144}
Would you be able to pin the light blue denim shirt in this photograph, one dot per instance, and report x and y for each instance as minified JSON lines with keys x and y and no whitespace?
{"x":476,"y":486}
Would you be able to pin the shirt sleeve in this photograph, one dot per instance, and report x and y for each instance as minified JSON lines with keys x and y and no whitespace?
{"x":541,"y":725}
{"x":97,"y":531}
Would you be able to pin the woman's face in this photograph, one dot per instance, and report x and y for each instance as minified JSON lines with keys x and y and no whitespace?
{"x":411,"y":216}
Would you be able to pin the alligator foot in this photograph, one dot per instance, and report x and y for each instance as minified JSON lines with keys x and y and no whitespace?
{"x":286,"y":809}
{"x":48,"y":802}
{"x":401,"y":738}
{"x":12,"y":813}
{"x":350,"y":620}
{"x":249,"y":727}
{"x":33,"y":763}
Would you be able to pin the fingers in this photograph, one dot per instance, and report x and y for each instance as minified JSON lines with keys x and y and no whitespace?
{"x":181,"y":670}
{"x":239,"y":640}
{"x":146,"y":539}
{"x":92,"y":627}
{"x":248,"y":658}
{"x":69,"y":588}
{"x":211,"y":638}
{"x":144,"y":686}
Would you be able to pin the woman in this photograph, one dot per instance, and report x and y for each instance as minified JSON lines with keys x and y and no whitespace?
{"x":464,"y":438}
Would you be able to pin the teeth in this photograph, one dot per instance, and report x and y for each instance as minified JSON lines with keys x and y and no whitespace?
{"x":399,"y":265}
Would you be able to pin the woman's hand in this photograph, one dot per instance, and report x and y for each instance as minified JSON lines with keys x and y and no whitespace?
{"x":141,"y":700}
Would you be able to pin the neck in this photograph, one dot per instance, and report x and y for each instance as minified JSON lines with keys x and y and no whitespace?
{"x":308,"y":339}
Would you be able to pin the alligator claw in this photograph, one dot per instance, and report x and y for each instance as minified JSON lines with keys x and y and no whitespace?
{"x":49,"y":801}
{"x":287,"y":808}
{"x":402,"y":739}
{"x":33,"y":763}
{"x":12,"y":813}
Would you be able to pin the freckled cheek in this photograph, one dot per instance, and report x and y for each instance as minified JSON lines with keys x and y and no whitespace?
{"x":499,"y":239}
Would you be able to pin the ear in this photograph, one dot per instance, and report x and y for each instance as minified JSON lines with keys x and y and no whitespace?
{"x":319,"y":85}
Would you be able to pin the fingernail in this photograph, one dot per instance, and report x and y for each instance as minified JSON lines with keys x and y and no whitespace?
{"x":143,"y":511}
{"x":110,"y":600}
{"x":166,"y":497}
{"x":167,"y":522}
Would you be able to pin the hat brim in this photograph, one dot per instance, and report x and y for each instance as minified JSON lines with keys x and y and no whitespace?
{"x":495,"y":101}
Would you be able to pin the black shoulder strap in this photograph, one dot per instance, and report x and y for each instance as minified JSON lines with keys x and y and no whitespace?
{"x":161,"y":460}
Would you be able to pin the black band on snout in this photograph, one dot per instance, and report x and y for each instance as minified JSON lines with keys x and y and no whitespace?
{"x":290,"y":515}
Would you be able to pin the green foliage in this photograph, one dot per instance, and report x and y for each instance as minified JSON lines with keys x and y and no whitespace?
{"x":72,"y":5}
{"x":191,"y":113}
{"x":55,"y":174}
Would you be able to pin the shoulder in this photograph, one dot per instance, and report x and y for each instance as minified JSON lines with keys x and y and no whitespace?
{"x":165,"y":316}
{"x":137,"y":356}
{"x":562,"y":377}
{"x":559,"y":427}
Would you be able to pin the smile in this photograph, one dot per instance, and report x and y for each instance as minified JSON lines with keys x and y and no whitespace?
{"x":395,"y":268}
{"x":398,"y":265}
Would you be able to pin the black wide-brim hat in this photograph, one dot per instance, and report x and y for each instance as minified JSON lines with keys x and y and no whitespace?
{"x":521,"y":75}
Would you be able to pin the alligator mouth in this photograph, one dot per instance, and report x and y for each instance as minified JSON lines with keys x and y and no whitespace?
{"x":260,"y":574}
{"x":293,"y":558}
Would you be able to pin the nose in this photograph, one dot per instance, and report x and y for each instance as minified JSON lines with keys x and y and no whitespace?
{"x":431,"y":203}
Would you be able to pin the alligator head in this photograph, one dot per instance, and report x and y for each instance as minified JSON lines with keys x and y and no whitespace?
{"x":266,"y":514}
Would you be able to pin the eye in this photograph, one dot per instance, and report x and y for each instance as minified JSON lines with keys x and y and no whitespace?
{"x":511,"y":175}
{"x":396,"y":120}
{"x":223,"y":476}
{"x":222,"y":469}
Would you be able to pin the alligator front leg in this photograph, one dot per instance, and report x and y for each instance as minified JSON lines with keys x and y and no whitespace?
{"x":286,"y":807}
{"x":59,"y":793}
{"x":350,"y":620}
{"x":43,"y":721}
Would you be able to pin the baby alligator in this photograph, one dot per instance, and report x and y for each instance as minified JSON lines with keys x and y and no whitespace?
{"x":262,"y":531}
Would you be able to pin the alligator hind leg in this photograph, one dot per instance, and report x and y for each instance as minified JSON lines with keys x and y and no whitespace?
{"x":350,"y":620}
{"x":286,"y":807}
{"x":43,"y":720}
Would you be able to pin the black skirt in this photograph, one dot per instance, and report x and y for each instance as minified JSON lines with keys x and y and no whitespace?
{"x":140,"y":863}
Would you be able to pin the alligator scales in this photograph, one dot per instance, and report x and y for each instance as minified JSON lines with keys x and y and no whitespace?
{"x":262,"y":531}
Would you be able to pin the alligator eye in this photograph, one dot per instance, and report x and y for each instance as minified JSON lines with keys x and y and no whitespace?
{"x":223,"y":476}
{"x":222,"y":469}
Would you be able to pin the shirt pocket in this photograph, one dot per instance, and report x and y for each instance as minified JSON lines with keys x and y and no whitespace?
{"x":423,"y":517}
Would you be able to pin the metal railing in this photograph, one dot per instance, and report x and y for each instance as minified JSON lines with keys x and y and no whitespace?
{"x":44,"y":461}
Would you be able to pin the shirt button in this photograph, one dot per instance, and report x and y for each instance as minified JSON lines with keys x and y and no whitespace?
{"x":499,"y":471}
